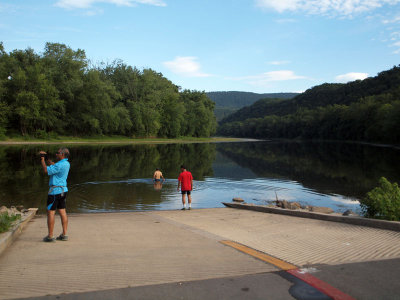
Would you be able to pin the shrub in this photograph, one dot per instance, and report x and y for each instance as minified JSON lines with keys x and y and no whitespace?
{"x":7,"y":221}
{"x":383,"y":202}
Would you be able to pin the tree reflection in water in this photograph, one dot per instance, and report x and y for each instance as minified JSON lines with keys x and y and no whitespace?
{"x":119,"y":177}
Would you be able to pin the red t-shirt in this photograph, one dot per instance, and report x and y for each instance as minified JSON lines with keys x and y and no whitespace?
{"x":186,"y":180}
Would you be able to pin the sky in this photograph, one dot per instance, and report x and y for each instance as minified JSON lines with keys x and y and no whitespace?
{"x":261,"y":46}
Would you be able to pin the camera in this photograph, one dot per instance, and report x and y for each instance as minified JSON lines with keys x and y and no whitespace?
{"x":43,"y":155}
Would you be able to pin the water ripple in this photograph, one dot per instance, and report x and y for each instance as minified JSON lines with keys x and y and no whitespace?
{"x":141,"y":194}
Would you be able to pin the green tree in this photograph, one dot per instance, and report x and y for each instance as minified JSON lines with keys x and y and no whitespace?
{"x":172,"y":116}
{"x":66,"y":68}
{"x":92,"y":112}
{"x":27,"y":108}
{"x":66,"y":96}
{"x":383,"y":202}
{"x":199,"y":116}
{"x":33,"y":101}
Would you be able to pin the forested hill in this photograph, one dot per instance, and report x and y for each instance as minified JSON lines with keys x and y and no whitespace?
{"x":258,"y":109}
{"x":322,"y":95}
{"x":58,"y":92}
{"x":367,"y":110}
{"x":241,"y":99}
{"x":226,"y":103}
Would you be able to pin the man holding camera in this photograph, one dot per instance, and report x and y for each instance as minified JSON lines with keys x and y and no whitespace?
{"x":57,"y":194}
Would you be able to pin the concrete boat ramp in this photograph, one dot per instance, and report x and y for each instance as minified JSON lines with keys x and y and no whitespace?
{"x":220,"y":253}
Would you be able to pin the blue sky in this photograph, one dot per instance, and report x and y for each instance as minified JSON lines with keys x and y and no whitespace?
{"x":262,"y":46}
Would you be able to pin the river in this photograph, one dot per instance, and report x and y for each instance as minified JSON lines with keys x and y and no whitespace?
{"x":109,"y":178}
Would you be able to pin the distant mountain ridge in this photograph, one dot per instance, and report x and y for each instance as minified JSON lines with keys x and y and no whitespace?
{"x":240,"y":99}
{"x":258,"y":109}
{"x":322,"y":96}
{"x":361,"y":110}
{"x":227,"y":102}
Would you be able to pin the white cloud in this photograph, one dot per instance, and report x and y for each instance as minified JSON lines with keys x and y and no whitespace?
{"x":395,"y":35}
{"x":396,"y":45}
{"x":278,"y":62}
{"x":266,"y":78}
{"x":394,"y":20}
{"x":70,"y":4}
{"x":351,"y":77}
{"x":341,"y":7}
{"x":186,"y":66}
{"x":282,"y":75}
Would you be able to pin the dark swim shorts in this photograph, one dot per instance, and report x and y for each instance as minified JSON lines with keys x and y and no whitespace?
{"x":57,"y":200}
{"x":185,"y":192}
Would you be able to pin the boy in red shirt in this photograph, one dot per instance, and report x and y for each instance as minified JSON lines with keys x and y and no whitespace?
{"x":185,"y":182}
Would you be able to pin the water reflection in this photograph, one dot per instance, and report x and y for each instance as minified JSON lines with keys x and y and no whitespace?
{"x":330,"y":168}
{"x":157,"y":185}
{"x":120,"y":177}
{"x":102,"y":178}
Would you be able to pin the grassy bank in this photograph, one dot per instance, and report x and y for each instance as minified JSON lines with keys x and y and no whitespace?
{"x":7,"y":221}
{"x":114,"y":140}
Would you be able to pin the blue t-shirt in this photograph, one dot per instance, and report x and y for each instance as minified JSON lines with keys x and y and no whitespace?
{"x":58,"y":177}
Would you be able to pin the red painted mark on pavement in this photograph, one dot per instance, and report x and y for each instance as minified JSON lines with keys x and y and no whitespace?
{"x":320,"y":285}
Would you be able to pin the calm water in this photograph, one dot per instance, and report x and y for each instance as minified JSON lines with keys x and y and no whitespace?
{"x":118,"y":177}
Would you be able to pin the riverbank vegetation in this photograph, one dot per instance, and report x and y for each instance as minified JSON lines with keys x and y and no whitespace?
{"x":383,"y":202}
{"x":7,"y":221}
{"x":59,"y":92}
{"x":112,"y":140}
{"x":367,"y":110}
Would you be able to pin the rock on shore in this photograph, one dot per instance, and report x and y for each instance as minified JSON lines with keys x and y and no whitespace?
{"x":13,"y":210}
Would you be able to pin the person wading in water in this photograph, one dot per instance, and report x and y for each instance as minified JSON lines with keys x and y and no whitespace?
{"x":185,"y":182}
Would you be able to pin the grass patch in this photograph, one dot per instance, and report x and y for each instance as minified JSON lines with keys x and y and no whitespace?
{"x":6,"y":221}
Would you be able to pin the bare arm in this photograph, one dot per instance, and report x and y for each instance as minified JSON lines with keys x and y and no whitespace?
{"x":43,"y":162}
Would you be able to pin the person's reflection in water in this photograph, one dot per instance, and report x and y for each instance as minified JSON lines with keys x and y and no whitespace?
{"x":158,"y":179}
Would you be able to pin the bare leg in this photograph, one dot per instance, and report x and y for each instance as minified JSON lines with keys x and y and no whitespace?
{"x":64,"y":220}
{"x":183,"y":199}
{"x":190,"y":199}
{"x":50,"y":222}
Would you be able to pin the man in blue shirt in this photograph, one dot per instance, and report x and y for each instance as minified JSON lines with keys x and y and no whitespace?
{"x":57,"y":195}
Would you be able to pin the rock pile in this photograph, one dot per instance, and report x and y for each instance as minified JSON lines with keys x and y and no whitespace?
{"x":13,"y":210}
{"x":294,"y":206}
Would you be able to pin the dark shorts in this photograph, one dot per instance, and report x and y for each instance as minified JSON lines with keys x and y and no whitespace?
{"x":157,"y":180}
{"x":185,"y":192}
{"x":57,"y":201}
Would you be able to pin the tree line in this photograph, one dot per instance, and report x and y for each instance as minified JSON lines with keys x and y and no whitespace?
{"x":58,"y":92}
{"x":240,"y":99}
{"x":227,"y":103}
{"x":366,"y":110}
